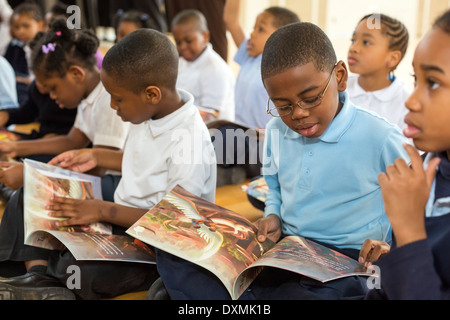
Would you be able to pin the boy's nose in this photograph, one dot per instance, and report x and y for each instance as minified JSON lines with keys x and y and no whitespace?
{"x":299,"y":113}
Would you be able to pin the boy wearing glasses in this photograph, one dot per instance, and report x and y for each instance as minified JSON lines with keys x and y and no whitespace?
{"x":323,"y":156}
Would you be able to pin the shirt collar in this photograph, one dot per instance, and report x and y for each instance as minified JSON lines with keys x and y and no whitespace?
{"x":383,"y":95}
{"x":92,"y":97}
{"x":173,"y":120}
{"x":338,"y":126}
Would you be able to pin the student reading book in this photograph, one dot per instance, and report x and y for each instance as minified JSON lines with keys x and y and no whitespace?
{"x":321,"y":167}
{"x":225,"y":243}
{"x":86,"y":242}
{"x":168,"y":144}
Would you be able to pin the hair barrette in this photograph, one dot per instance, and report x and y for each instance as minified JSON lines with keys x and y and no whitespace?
{"x":48,"y":48}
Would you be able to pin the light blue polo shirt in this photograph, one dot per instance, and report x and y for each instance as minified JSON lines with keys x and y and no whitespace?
{"x":8,"y":91}
{"x":326,"y":188}
{"x":250,"y":95}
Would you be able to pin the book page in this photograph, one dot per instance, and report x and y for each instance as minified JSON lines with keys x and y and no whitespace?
{"x":193,"y":229}
{"x":309,"y":258}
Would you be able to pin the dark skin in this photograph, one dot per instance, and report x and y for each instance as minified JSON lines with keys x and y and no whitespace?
{"x":289,"y":87}
{"x":151,"y":103}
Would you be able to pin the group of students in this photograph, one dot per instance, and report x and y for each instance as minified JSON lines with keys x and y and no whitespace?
{"x":337,"y":173}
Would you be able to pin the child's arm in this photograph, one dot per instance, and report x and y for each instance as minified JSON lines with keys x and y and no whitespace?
{"x":85,"y":212}
{"x":231,"y":18}
{"x":86,"y":159}
{"x":75,"y":139}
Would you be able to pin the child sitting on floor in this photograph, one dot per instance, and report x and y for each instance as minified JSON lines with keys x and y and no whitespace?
{"x":201,"y":70}
{"x":26,"y":21}
{"x":318,"y":188}
{"x":168,"y":145}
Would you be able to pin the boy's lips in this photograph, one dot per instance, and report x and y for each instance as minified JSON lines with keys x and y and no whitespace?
{"x":307,"y":130}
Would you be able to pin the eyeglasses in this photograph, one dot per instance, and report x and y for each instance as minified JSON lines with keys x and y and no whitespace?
{"x":304,"y":104}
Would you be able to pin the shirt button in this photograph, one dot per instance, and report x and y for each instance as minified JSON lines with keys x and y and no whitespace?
{"x":310,"y":153}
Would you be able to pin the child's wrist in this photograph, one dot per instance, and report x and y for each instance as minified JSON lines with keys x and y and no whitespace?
{"x":404,"y":236}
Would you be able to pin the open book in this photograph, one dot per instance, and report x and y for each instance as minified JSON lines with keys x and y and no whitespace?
{"x":224,"y":243}
{"x":93,"y":242}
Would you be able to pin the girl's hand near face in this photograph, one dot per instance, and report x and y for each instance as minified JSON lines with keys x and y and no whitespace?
{"x":405,"y":192}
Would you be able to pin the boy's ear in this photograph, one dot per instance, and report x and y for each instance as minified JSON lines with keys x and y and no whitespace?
{"x":152,"y":94}
{"x":341,"y":75}
{"x":77,"y":73}
{"x":206,"y":36}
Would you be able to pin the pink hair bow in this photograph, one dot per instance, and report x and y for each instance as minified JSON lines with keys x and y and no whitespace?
{"x":48,"y":48}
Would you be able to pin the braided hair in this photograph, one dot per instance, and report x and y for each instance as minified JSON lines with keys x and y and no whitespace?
{"x":395,"y":30}
{"x":60,"y":48}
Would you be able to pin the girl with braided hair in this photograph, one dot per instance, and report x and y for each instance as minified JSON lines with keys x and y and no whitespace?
{"x":378,"y":45}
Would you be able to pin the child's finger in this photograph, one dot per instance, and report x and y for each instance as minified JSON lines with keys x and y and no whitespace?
{"x":416,"y":159}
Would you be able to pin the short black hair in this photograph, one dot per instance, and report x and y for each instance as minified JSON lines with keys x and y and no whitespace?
{"x":31,"y":9}
{"x":295,"y":45}
{"x":282,"y":16}
{"x":191,"y":16}
{"x":443,"y":22}
{"x":142,"y":58}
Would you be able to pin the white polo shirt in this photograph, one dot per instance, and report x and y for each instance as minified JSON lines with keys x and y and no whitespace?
{"x":210,"y":80}
{"x":99,"y":122}
{"x":388,"y":103}
{"x":160,"y":154}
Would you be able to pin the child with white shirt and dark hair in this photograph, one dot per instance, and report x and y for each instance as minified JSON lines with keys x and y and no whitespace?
{"x":202,"y":71}
{"x":379,"y":44}
{"x":168,"y":145}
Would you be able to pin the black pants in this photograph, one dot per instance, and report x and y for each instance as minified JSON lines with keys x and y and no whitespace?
{"x":187,"y":281}
{"x":98,"y":279}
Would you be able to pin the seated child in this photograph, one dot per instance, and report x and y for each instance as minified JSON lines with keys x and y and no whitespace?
{"x":26,"y":21}
{"x":64,"y":64}
{"x":250,"y":95}
{"x":417,"y":197}
{"x":374,"y":55}
{"x":321,"y":166}
{"x":164,"y":121}
{"x":8,"y":93}
{"x":202,"y":71}
{"x":39,"y":108}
